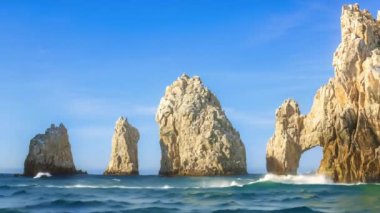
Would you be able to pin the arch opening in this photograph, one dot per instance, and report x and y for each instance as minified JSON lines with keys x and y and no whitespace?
{"x":310,"y":160}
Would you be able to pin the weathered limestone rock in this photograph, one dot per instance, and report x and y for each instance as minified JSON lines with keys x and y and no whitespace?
{"x":196,"y":137}
{"x":345,"y":117}
{"x":50,"y":152}
{"x":284,"y":150}
{"x":124,"y":150}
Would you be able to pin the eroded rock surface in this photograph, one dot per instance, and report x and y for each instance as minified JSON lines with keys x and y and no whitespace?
{"x":124,"y":159}
{"x":196,"y":137}
{"x":50,"y":152}
{"x":345,"y":116}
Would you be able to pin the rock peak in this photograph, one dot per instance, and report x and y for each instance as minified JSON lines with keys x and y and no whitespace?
{"x":50,"y":152}
{"x":288,"y":108}
{"x":184,"y":76}
{"x":351,"y":7}
{"x":124,"y":159}
{"x":360,"y":35}
{"x":122,"y":119}
{"x":195,"y":135}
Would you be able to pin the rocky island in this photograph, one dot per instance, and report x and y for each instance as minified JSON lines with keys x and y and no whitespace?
{"x":345,"y":116}
{"x":124,"y":150}
{"x":196,"y":137}
{"x":50,"y":152}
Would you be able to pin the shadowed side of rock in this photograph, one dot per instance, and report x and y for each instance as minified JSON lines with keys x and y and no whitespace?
{"x":196,"y":137}
{"x":50,"y":152}
{"x":124,"y":159}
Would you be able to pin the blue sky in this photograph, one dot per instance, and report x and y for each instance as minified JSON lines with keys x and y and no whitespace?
{"x":85,"y":63}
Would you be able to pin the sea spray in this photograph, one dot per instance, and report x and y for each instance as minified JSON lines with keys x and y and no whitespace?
{"x":296,"y":179}
{"x":42,"y":175}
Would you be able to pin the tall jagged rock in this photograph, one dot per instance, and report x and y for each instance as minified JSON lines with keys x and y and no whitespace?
{"x":124,"y":159}
{"x":50,"y":152}
{"x":196,"y":137}
{"x":284,"y":149}
{"x":345,"y":116}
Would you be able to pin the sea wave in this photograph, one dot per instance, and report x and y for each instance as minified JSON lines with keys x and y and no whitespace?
{"x":84,"y":186}
{"x":42,"y":174}
{"x":220,"y":184}
{"x":208,"y":185}
{"x":296,"y":179}
{"x":303,"y":179}
{"x":307,"y":179}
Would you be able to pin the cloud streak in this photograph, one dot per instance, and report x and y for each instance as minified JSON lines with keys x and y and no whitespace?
{"x":249,"y":118}
{"x":275,"y":26}
{"x":96,"y":107}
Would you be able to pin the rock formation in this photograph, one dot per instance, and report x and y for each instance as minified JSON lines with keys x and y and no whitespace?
{"x":124,"y":150}
{"x":345,"y":116}
{"x":196,"y":137}
{"x":50,"y":152}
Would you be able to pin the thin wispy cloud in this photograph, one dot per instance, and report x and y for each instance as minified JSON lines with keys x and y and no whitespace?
{"x":92,"y":107}
{"x":276,"y":26}
{"x":91,"y":132}
{"x":252,"y":119}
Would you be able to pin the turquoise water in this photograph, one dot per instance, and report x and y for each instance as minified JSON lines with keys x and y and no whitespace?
{"x":252,"y":193}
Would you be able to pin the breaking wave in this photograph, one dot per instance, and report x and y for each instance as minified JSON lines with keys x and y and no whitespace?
{"x":296,"y":179}
{"x":42,"y":174}
{"x":304,"y":179}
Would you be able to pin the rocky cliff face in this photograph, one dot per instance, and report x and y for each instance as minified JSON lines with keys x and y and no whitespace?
{"x":50,"y":152}
{"x":345,"y":117}
{"x":124,"y":150}
{"x":195,"y":135}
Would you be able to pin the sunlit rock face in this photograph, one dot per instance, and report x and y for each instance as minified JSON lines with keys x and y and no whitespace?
{"x":345,"y":116}
{"x":50,"y":152}
{"x":196,"y":137}
{"x":124,"y":159}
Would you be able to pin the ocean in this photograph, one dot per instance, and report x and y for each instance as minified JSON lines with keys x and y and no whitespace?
{"x":252,"y":193}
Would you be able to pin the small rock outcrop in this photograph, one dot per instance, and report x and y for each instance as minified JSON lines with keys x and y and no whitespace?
{"x":345,"y":116}
{"x":124,"y":150}
{"x":50,"y":152}
{"x":196,"y":137}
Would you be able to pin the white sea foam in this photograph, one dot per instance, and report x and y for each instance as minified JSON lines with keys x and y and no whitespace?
{"x":295,"y":179}
{"x":308,"y":179}
{"x":42,"y":174}
{"x":220,"y":184}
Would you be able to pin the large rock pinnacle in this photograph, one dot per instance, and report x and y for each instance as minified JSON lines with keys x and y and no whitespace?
{"x":345,"y":117}
{"x":50,"y":152}
{"x":124,"y":159}
{"x":196,"y":137}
